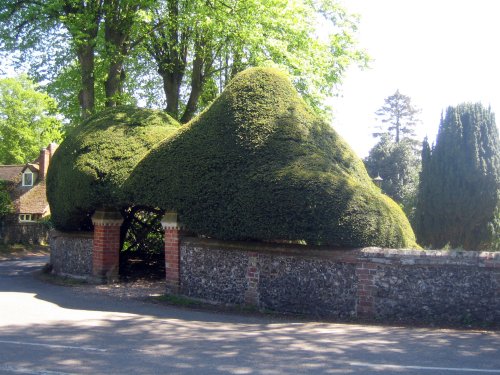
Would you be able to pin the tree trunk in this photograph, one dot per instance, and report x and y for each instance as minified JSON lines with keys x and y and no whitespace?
{"x":197,"y":81}
{"x":83,"y":35}
{"x":113,"y":85}
{"x":86,"y":96}
{"x":116,"y":40}
{"x":172,"y":87}
{"x":169,"y":48}
{"x":120,"y":17}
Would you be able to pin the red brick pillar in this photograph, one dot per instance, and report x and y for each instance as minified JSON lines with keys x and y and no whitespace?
{"x":106,"y":250}
{"x":172,"y":252}
{"x":366,"y":303}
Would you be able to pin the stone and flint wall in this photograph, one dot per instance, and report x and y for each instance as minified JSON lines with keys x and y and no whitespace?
{"x":415,"y":286}
{"x":377,"y":284}
{"x":71,"y":253}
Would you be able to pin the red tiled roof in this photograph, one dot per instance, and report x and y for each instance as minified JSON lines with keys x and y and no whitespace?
{"x":10,"y":172}
{"x":34,"y":201}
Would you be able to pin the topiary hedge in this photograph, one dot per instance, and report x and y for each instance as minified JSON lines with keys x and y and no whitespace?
{"x":88,"y":169}
{"x":259,"y":164}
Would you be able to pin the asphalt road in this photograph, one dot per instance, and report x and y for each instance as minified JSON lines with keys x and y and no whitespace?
{"x":54,"y":330}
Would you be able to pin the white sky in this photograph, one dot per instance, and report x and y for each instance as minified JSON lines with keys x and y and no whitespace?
{"x":437,"y":52}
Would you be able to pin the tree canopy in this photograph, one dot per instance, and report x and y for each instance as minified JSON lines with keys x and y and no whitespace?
{"x":114,"y":50}
{"x":398,"y":117}
{"x":398,"y":165}
{"x":459,"y":193}
{"x":28,"y":120}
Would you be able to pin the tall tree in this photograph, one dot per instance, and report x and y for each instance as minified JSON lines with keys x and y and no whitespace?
{"x":398,"y":164}
{"x":459,"y":193}
{"x":204,"y":44}
{"x":81,"y":30}
{"x":121,"y":19}
{"x":36,"y":27}
{"x":399,"y":117}
{"x":28,"y":121}
{"x":197,"y":46}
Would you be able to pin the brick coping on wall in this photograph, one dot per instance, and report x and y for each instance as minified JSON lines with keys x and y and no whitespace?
{"x":368,"y":254}
{"x":54,"y":233}
{"x":444,"y":286}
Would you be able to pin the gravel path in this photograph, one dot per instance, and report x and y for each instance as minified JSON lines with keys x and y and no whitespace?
{"x":139,"y":289}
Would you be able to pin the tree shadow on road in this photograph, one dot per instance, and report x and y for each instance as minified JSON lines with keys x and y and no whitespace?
{"x":139,"y":337}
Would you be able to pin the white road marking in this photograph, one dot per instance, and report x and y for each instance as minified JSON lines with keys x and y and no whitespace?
{"x":85,"y":348}
{"x":24,"y":370}
{"x":382,"y":366}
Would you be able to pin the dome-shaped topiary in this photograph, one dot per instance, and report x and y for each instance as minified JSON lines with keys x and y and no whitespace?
{"x":259,"y":164}
{"x":88,"y":169}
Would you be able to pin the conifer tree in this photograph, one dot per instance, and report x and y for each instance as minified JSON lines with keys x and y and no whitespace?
{"x":395,"y":158}
{"x":459,"y":192}
{"x":399,"y":118}
{"x":423,"y":220}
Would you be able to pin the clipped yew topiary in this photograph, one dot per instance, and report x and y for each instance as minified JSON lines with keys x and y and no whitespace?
{"x":259,"y":164}
{"x":90,"y":166}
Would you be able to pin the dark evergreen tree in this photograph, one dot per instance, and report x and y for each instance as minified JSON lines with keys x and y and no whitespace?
{"x":398,"y":164}
{"x":398,"y":116}
{"x":459,"y":193}
{"x":423,"y":221}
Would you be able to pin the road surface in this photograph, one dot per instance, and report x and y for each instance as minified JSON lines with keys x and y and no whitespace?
{"x":55,"y":330}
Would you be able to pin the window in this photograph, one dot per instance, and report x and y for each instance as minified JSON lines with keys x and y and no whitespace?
{"x":23,"y":218}
{"x":28,"y":178}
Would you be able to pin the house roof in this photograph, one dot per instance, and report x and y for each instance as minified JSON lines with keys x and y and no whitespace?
{"x":33,"y":167}
{"x":34,"y":201}
{"x":10,"y":172}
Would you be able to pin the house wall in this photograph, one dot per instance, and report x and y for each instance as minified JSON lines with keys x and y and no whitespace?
{"x":71,"y":253}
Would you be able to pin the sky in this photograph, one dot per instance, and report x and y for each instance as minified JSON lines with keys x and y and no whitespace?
{"x":440,"y":53}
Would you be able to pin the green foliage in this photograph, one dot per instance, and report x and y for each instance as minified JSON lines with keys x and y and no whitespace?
{"x":89,"y":167}
{"x":5,"y":201}
{"x":259,"y":164}
{"x":143,"y":246}
{"x":144,"y":231}
{"x":399,"y":166}
{"x":201,"y":45}
{"x":399,"y":118}
{"x":459,"y":193}
{"x":28,"y":120}
{"x":113,"y":50}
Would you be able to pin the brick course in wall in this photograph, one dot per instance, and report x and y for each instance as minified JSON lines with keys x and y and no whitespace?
{"x":390,"y":285}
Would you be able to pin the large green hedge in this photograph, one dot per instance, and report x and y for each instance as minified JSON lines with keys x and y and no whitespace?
{"x":89,"y":167}
{"x":258,"y":164}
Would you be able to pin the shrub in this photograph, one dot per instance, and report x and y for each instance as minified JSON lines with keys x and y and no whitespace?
{"x":5,"y":200}
{"x":89,"y":168}
{"x":259,"y":164}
